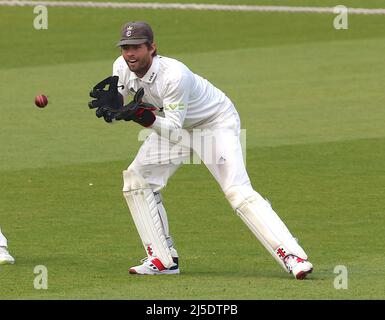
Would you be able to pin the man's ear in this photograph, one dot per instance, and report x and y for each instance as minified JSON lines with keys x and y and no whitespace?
{"x":153,"y":48}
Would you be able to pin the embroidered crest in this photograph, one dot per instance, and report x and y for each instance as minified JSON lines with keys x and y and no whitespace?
{"x":128,"y":31}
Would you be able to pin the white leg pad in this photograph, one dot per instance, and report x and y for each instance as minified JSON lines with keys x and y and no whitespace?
{"x":144,"y":210}
{"x":163,"y":218}
{"x":265,"y":224}
{"x":3,"y":240}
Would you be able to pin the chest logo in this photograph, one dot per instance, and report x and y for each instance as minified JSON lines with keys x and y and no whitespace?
{"x":174,"y":106}
{"x":151,"y":77}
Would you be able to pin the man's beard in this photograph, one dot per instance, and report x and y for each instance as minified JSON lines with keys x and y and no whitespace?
{"x":140,"y":68}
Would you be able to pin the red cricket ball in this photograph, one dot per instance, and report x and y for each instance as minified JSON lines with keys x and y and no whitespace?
{"x":41,"y":101}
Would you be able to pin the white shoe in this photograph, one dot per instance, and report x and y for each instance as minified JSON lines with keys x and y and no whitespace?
{"x":300,"y":268}
{"x":5,"y":257}
{"x":155,"y":266}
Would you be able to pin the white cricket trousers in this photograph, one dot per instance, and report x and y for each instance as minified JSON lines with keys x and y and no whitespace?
{"x":217,"y":144}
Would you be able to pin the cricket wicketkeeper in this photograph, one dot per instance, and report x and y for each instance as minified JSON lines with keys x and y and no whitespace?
{"x":175,"y":102}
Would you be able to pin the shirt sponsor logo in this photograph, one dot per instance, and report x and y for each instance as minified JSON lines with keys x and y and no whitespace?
{"x":151,"y":77}
{"x":174,"y":106}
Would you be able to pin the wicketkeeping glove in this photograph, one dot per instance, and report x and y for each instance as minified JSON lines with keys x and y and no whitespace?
{"x":109,"y":104}
{"x":110,"y":98}
{"x":138,"y":111}
{"x":106,"y":100}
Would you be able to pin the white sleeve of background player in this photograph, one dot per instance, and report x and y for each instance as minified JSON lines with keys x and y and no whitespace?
{"x":117,"y":70}
{"x":175,"y":104}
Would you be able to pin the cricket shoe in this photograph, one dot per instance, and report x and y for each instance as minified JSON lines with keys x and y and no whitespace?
{"x":152,"y":265}
{"x":5,"y":257}
{"x":300,"y":268}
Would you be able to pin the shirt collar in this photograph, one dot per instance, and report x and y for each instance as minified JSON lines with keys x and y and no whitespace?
{"x":133,"y":76}
{"x":152,"y":72}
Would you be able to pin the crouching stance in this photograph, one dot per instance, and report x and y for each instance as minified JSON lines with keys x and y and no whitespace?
{"x":170,"y":99}
{"x":150,"y":219}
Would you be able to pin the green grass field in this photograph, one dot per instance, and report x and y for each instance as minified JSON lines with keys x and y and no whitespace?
{"x":310,"y":97}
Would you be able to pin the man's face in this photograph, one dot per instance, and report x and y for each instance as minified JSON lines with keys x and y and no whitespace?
{"x":138,"y":57}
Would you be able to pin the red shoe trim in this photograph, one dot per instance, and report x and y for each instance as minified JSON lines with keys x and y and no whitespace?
{"x":158,"y":264}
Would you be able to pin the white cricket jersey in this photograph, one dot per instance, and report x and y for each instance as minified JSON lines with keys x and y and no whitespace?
{"x":188,"y":100}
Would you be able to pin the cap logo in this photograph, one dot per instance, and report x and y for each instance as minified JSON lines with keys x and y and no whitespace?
{"x":128,"y":31}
